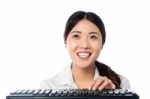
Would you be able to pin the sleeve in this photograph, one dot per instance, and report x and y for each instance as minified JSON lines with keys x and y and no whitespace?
{"x":44,"y":85}
{"x":125,"y":84}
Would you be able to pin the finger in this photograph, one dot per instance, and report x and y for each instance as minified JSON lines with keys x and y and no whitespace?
{"x":106,"y":83}
{"x":97,"y":84}
{"x":91,"y":85}
{"x":113,"y":86}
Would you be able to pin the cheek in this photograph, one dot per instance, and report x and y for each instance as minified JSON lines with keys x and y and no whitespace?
{"x":71,"y":46}
{"x":97,"y":48}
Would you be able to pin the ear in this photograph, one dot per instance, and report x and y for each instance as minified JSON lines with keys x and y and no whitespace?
{"x":65,"y":42}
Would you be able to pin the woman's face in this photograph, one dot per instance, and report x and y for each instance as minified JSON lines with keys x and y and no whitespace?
{"x":84,"y":43}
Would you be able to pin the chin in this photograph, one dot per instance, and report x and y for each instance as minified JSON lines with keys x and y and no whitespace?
{"x":84,"y":65}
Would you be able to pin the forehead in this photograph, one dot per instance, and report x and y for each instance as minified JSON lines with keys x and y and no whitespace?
{"x":85,"y":26}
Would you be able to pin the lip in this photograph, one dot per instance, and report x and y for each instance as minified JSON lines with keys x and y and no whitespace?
{"x":84,"y":54}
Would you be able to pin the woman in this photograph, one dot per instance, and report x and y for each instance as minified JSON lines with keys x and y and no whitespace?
{"x":84,"y":38}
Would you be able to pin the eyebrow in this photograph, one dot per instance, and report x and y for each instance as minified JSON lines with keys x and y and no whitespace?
{"x":89,"y":33}
{"x":94,"y":33}
{"x":76,"y":32}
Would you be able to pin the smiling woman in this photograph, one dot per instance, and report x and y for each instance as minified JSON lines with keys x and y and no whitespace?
{"x":84,"y":38}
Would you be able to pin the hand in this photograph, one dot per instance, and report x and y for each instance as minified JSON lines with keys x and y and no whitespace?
{"x":102,"y":82}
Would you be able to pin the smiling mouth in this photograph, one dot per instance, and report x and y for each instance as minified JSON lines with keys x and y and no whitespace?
{"x":84,"y":54}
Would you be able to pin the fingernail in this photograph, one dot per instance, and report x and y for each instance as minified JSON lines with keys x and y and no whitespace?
{"x":89,"y":88}
{"x":113,"y":87}
{"x":93,"y":88}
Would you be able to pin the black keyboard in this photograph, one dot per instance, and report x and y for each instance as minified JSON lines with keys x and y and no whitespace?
{"x":72,"y":94}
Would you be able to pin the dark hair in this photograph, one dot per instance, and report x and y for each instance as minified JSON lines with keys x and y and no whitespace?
{"x":78,"y":16}
{"x":103,"y":69}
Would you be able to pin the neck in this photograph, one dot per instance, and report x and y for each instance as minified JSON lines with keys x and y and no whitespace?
{"x":83,"y":74}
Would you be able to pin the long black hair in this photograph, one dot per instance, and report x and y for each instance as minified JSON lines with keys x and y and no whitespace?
{"x":103,"y":69}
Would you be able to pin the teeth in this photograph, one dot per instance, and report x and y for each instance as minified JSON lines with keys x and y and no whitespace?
{"x":84,"y":55}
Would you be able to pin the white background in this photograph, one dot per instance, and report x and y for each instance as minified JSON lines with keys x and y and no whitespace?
{"x":32,"y":48}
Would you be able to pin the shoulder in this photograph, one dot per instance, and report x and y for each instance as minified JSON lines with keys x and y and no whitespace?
{"x":59,"y":81}
{"x":125,"y":84}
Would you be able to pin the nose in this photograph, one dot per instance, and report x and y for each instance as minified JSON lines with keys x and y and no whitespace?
{"x":84,"y":44}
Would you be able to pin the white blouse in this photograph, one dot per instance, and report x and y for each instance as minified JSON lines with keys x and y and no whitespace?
{"x":64,"y":80}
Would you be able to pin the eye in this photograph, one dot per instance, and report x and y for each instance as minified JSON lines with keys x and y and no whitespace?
{"x":76,"y":36}
{"x":93,"y":37}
